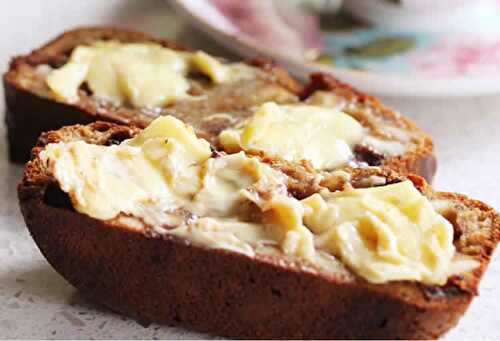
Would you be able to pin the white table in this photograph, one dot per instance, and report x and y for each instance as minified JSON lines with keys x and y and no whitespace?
{"x":35,"y":302}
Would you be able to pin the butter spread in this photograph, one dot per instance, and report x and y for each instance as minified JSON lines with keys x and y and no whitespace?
{"x":396,"y":139}
{"x":139,"y":74}
{"x":387,"y":147}
{"x":166,"y":168}
{"x":103,"y":181}
{"x":385,"y":233}
{"x":221,"y":73}
{"x":323,"y":136}
{"x":167,"y":178}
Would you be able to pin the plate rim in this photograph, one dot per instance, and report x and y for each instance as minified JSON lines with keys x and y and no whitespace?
{"x":385,"y":85}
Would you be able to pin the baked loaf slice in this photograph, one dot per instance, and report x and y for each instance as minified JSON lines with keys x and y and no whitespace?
{"x":134,"y":269}
{"x":33,"y":107}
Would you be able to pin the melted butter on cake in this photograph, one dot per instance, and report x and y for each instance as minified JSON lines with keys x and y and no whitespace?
{"x":323,"y":136}
{"x":140,"y":74}
{"x":238,"y":203}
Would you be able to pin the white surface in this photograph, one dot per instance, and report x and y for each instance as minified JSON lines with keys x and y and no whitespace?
{"x":35,"y":302}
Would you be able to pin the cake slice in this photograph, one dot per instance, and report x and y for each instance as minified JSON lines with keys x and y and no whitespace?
{"x":156,"y":225}
{"x":131,"y":78}
{"x":33,"y":106}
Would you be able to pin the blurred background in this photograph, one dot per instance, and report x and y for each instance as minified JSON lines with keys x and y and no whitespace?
{"x":409,"y":52}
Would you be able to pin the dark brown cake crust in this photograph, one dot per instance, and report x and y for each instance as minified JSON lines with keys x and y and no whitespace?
{"x":164,"y":279}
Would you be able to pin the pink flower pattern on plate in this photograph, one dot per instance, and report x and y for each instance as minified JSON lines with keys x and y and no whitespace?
{"x":471,"y":56}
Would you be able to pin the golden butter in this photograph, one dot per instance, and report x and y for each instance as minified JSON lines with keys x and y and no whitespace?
{"x":104,"y":181}
{"x":139,"y":74}
{"x":385,"y":233}
{"x":176,"y":150}
{"x":238,"y":203}
{"x":65,"y":82}
{"x":158,"y":166}
{"x":219,"y":72}
{"x":228,"y":234}
{"x":284,"y":214}
{"x":224,"y":181}
{"x":297,"y":132}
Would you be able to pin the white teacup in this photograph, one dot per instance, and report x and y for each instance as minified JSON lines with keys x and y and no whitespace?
{"x":422,"y":15}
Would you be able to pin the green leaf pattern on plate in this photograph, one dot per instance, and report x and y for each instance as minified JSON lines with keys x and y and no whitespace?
{"x":325,"y":59}
{"x":394,"y":2}
{"x":381,"y":47}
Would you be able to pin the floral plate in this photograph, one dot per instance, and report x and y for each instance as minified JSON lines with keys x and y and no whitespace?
{"x":464,"y":61}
